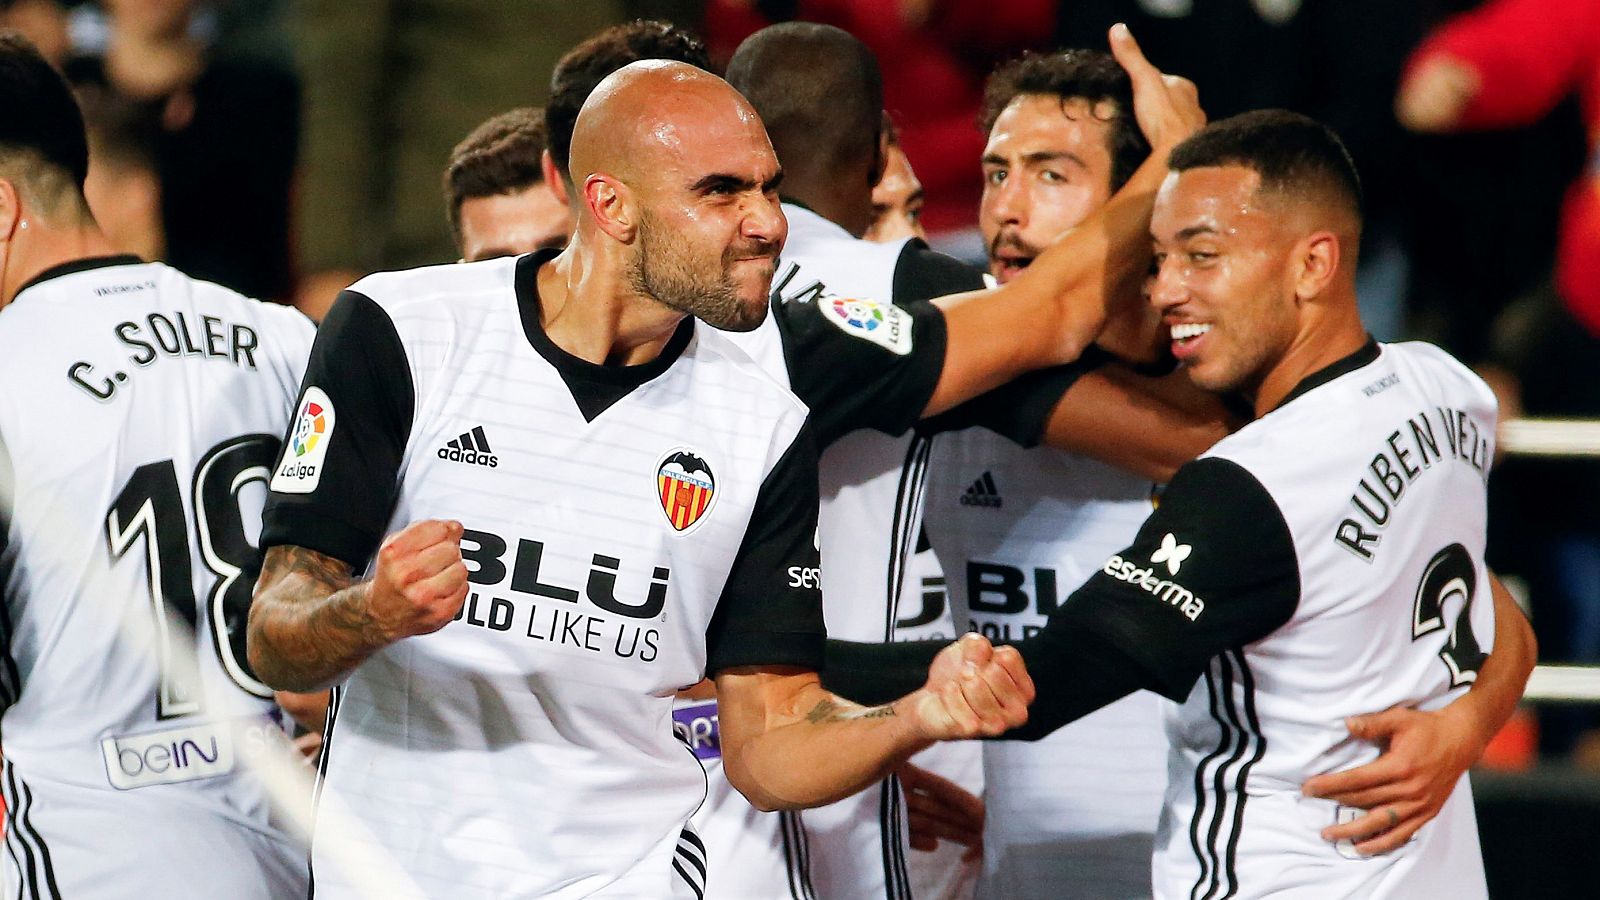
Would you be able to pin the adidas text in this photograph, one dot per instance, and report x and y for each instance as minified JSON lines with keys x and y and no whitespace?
{"x":471,"y":457}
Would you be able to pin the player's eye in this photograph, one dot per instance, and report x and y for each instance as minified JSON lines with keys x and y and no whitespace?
{"x":995,"y":176}
{"x":1051,"y":176}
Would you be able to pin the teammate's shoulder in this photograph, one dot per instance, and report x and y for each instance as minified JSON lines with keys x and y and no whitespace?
{"x":426,"y":286}
{"x":922,"y":273}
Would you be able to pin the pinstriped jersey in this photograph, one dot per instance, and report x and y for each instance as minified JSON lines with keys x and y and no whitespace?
{"x":628,"y":529}
{"x":1073,"y":814}
{"x":1322,"y":562}
{"x":141,"y":412}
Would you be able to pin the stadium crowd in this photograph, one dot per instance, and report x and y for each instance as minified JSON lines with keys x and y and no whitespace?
{"x":1094,"y":352}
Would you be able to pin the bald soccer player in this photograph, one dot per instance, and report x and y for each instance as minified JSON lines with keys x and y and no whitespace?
{"x":590,"y":499}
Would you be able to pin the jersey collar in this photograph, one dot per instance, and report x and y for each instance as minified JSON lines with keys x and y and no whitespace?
{"x":81,"y":265}
{"x":594,"y":388}
{"x":1367,"y":355}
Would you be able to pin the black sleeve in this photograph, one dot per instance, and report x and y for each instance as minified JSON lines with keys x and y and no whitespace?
{"x":923,"y":274}
{"x":861,"y":363}
{"x":1020,"y":409}
{"x":770,"y":611}
{"x":335,"y":485}
{"x":1213,"y":568}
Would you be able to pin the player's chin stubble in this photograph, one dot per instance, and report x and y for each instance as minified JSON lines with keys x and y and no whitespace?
{"x":662,"y":270}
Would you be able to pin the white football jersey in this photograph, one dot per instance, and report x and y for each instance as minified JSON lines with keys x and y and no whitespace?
{"x":628,"y":529}
{"x":1324,"y":561}
{"x":1074,"y":814}
{"x":141,"y":413}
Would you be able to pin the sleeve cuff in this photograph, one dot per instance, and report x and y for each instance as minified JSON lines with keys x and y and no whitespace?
{"x":316,"y":530}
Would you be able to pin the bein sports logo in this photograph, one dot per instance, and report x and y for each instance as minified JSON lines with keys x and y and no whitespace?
{"x":168,"y":757}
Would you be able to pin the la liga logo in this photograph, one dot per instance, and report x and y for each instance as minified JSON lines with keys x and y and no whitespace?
{"x":309,"y":428}
{"x":300,"y":469}
{"x":861,"y":314}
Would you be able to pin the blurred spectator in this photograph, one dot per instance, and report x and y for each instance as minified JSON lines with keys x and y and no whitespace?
{"x":1505,"y":65}
{"x":934,"y":55}
{"x":391,"y":85}
{"x":224,"y":142}
{"x":897,"y":198}
{"x":44,"y":22}
{"x":495,"y":193}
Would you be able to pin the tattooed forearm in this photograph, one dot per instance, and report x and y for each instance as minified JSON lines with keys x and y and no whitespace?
{"x":831,"y":710}
{"x":309,"y":623}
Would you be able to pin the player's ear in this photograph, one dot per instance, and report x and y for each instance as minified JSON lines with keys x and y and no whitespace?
{"x":1316,"y":263}
{"x":613,"y":206}
{"x":553,"y":179}
{"x":10,"y":210}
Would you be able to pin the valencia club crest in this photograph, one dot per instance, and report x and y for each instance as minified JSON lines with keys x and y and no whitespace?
{"x":686,"y":488}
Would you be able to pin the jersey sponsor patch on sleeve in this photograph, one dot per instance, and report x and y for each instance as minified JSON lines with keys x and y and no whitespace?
{"x":299,"y":470}
{"x":883,"y":324}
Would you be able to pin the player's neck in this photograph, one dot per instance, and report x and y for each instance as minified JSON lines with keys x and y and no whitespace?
{"x":590,"y":310}
{"x":845,"y":200}
{"x":44,"y":248}
{"x":1317,"y":347}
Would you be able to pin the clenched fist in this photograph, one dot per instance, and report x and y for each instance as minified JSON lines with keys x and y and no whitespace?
{"x":1167,"y":107}
{"x":420,"y":582}
{"x":974,"y":690}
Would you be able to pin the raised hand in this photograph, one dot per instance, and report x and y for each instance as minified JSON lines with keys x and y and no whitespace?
{"x":973,"y":690}
{"x":1167,"y":107}
{"x":420,"y":582}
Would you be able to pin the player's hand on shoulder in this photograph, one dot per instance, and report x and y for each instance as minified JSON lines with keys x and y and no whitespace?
{"x":1167,"y":107}
{"x":1424,"y":756}
{"x":420,"y":581}
{"x":974,"y":689}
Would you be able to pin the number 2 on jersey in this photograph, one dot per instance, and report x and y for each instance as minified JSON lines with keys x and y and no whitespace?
{"x":1449,"y":575}
{"x":150,"y":505}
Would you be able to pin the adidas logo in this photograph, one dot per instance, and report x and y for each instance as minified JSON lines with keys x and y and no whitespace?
{"x":982,"y":493}
{"x":471,"y":448}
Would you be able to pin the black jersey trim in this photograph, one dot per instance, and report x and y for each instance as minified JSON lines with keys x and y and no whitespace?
{"x":1366,"y":356}
{"x":796,"y":856}
{"x":27,"y":878}
{"x":691,"y":850}
{"x":909,"y":496}
{"x":1243,"y":743}
{"x":335,"y":698}
{"x":896,"y":879}
{"x":594,"y":388}
{"x":19,"y":820}
{"x":80,"y":265}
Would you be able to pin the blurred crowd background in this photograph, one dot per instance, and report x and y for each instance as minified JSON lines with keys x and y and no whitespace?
{"x":286,"y":147}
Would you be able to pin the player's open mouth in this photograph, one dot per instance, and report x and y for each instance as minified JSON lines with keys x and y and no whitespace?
{"x":1186,"y":337}
{"x":1011,"y":265}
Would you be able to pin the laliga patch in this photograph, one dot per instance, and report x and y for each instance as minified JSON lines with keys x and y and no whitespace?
{"x":299,"y":470}
{"x":883,"y":324}
{"x":685,"y":487}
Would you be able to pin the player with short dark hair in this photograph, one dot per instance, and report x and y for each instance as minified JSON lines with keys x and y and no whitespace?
{"x":897,"y":198}
{"x":592,"y":498}
{"x":494,"y":190}
{"x":141,"y":410}
{"x":583,"y":67}
{"x":1324,"y":560}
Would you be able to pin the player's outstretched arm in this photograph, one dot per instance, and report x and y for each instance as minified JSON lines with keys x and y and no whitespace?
{"x":1055,"y":308}
{"x":311,"y":622}
{"x":789,"y":744}
{"x":1425,"y":753}
{"x":1147,"y":426}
